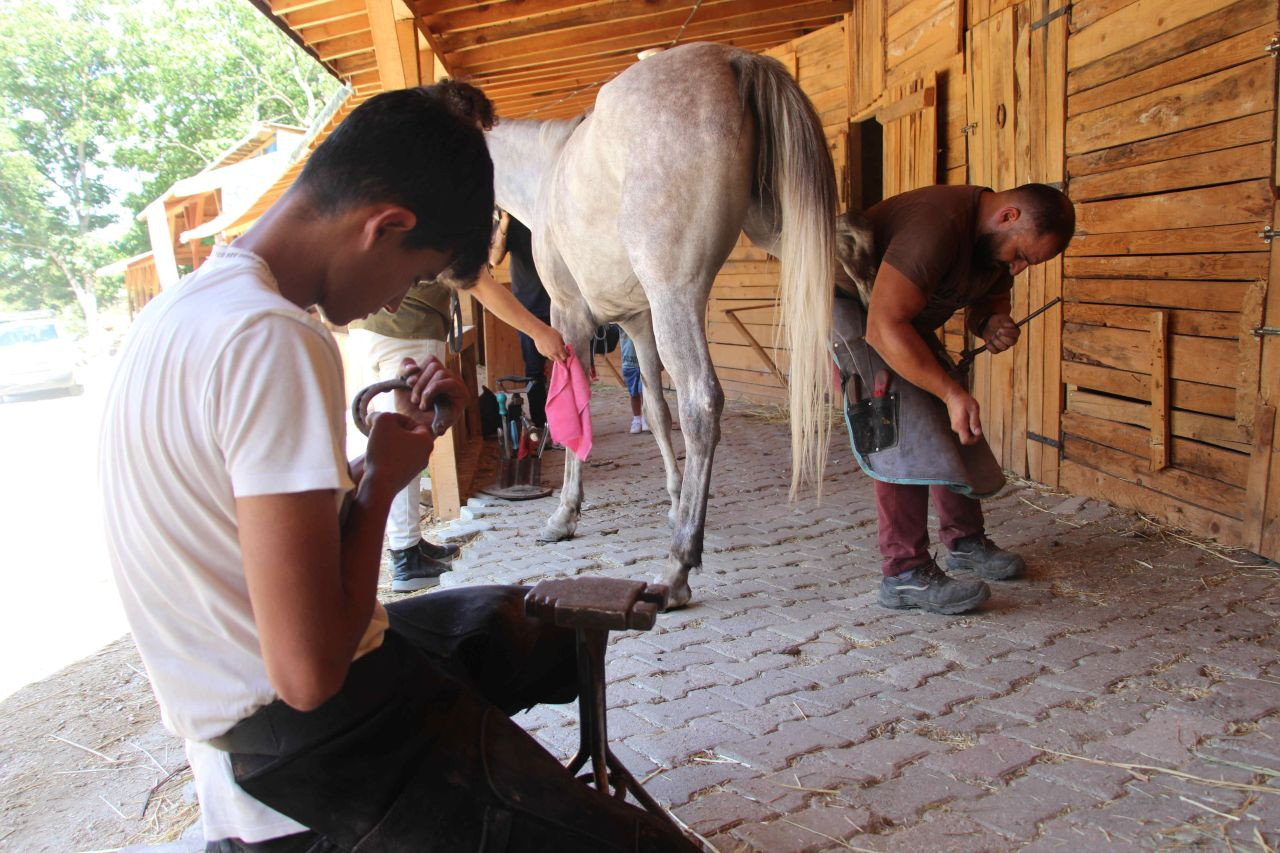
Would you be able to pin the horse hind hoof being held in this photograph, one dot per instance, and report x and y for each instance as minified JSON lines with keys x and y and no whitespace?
{"x":635,"y":206}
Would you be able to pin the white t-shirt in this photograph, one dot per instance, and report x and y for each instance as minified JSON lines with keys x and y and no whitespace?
{"x":225,"y":389}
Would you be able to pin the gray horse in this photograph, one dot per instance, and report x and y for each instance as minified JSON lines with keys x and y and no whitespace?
{"x":634,"y":208}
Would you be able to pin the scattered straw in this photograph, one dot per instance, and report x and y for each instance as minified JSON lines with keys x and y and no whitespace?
{"x":1190,"y":777}
{"x":1049,"y":511}
{"x":113,"y":808}
{"x":1201,"y":805}
{"x":106,"y":758}
{"x":799,"y":787}
{"x":845,"y":844}
{"x":1262,"y":842}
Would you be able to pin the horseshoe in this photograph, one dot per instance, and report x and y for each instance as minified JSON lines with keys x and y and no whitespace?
{"x":360,"y":406}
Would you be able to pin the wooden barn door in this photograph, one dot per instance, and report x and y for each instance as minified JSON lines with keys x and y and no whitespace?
{"x":910,"y":138}
{"x":1170,"y":145}
{"x":993,"y":152}
{"x":1042,"y":116}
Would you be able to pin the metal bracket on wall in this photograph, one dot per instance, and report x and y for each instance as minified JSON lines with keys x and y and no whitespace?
{"x":1265,"y":331}
{"x":969,"y":128}
{"x":1273,"y":46}
{"x":1268,"y":234}
{"x":1044,"y":439}
{"x":1052,"y":16}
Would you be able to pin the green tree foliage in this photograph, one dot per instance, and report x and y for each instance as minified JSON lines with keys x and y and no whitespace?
{"x":97,"y":98}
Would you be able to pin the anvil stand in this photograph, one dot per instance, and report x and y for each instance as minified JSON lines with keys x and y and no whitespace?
{"x":594,"y":606}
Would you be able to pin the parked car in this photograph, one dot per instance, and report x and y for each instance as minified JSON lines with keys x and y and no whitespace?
{"x":36,"y":356}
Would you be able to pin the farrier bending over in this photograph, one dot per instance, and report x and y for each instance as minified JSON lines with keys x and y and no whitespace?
{"x":941,"y":249}
{"x":246,"y":550}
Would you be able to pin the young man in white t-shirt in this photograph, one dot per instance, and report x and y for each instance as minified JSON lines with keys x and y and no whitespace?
{"x":246,"y":549}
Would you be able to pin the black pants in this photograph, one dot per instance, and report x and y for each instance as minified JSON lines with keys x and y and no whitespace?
{"x":416,"y":752}
{"x":535,"y":365}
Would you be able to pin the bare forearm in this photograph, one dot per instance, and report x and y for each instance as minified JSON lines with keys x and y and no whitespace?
{"x":902,"y":348}
{"x":504,"y":305}
{"x":361,"y":557}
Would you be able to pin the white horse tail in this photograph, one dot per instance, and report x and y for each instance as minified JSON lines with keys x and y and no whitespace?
{"x":795,"y":182}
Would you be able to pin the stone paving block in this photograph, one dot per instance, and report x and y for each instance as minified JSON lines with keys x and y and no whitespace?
{"x":1063,"y":653}
{"x":914,"y":672}
{"x":1094,"y":674}
{"x":1095,"y":780}
{"x":671,"y":641}
{"x":742,"y":648}
{"x":943,"y":832}
{"x":993,"y":758}
{"x":999,"y":676}
{"x":937,"y":696}
{"x":677,"y":712}
{"x":891,"y":650}
{"x":675,"y":746}
{"x":828,"y":699}
{"x":900,"y":800}
{"x":679,"y":683}
{"x":814,"y":829}
{"x":1017,"y":810}
{"x":882,"y":757}
{"x":720,"y":811}
{"x":1241,"y":700}
{"x":677,"y":786}
{"x":759,"y":720}
{"x":989,"y":650}
{"x":776,"y":750}
{"x":764,"y":687}
{"x":858,"y":723}
{"x":1166,"y":736}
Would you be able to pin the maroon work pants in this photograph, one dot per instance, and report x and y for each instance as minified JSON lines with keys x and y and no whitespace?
{"x":904,"y":522}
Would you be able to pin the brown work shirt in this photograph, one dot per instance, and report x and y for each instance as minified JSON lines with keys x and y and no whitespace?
{"x":928,"y":235}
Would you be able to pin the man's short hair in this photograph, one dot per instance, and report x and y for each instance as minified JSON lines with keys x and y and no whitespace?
{"x":1050,"y":210}
{"x":468,"y":102}
{"x":411,"y":147}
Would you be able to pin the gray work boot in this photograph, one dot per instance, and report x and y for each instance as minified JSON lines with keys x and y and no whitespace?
{"x":979,"y":554}
{"x":929,"y":588}
{"x":410,"y":571}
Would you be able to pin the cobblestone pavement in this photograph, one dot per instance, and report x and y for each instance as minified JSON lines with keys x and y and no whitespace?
{"x":1125,"y":695}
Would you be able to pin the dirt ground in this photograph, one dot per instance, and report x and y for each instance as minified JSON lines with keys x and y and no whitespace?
{"x":85,"y":763}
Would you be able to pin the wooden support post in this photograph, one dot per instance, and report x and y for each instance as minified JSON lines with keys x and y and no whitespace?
{"x":1264,"y":422}
{"x":455,"y":455}
{"x":1160,"y":390}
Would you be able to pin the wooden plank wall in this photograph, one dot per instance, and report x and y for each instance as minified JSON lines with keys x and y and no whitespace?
{"x":1170,"y":120}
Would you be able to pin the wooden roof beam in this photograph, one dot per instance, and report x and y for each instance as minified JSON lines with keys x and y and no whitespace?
{"x":323,"y":14}
{"x":653,"y":31}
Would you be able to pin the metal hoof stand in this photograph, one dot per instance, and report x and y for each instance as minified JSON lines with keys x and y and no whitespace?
{"x":593,"y":607}
{"x":522,"y":443}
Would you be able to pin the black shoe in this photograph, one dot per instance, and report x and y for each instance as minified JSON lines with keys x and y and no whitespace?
{"x":432,"y":551}
{"x":980,"y":554}
{"x":929,"y":588}
{"x":410,"y":571}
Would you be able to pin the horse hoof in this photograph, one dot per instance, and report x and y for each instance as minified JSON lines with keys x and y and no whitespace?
{"x":548,"y":534}
{"x":677,"y":597}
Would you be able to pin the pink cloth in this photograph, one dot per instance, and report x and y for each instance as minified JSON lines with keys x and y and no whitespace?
{"x":569,"y":406}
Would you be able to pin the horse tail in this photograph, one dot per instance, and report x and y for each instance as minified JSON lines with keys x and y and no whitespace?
{"x":795,"y":181}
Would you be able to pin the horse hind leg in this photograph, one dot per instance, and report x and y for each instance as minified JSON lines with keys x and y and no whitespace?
{"x":655,"y":404}
{"x":683,"y":344}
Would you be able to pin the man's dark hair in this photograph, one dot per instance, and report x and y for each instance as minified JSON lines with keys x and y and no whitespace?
{"x":468,"y":102}
{"x":1050,"y":210}
{"x":411,"y":147}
